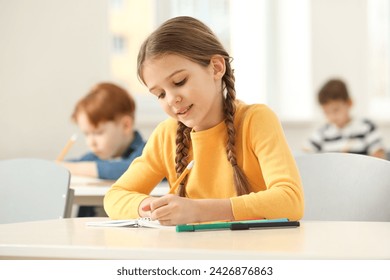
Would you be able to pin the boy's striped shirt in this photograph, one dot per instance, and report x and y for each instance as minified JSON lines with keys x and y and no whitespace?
{"x":359,"y":137}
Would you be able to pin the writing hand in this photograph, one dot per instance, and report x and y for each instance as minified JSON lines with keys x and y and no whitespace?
{"x":172,"y":209}
{"x":144,"y":207}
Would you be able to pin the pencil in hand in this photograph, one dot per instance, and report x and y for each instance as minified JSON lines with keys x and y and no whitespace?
{"x":182,"y":176}
{"x":67,"y":147}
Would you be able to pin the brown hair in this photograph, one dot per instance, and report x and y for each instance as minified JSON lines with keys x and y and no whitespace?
{"x":190,"y":38}
{"x":334,"y":89}
{"x":105,"y":102}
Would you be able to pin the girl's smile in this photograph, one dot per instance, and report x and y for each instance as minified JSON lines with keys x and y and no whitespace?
{"x":183,"y":111}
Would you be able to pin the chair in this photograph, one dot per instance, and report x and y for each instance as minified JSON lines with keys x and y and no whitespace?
{"x":33,"y":189}
{"x":345,"y":187}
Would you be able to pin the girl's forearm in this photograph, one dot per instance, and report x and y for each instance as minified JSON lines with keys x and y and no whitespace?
{"x":214,"y":210}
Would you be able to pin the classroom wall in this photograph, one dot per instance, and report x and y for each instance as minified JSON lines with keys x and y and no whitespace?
{"x":51,"y":52}
{"x":340,"y":45}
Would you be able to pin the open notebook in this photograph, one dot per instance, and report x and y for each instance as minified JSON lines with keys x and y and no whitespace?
{"x":134,"y":223}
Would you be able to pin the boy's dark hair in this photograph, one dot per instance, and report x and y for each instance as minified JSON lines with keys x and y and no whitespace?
{"x":332,"y":90}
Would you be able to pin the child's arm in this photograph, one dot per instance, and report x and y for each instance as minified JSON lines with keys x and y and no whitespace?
{"x":91,"y":166}
{"x":313,"y":143}
{"x":172,"y":210}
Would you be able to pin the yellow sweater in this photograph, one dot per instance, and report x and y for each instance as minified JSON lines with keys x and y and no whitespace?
{"x":262,"y":152}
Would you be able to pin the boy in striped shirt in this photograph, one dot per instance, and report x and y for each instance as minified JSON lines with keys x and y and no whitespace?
{"x":343,"y":133}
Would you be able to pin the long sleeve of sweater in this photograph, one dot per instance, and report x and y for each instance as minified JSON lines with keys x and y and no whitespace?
{"x":262,"y":152}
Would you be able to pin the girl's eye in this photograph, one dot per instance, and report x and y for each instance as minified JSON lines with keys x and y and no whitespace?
{"x":182,"y":82}
{"x":161,"y":95}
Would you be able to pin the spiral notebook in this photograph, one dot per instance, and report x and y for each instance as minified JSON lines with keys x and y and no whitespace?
{"x":132,"y":223}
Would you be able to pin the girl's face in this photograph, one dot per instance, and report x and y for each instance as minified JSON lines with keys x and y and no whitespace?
{"x":187,"y":91}
{"x":108,"y":140}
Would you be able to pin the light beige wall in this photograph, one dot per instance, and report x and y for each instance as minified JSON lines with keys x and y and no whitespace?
{"x":51,"y":52}
{"x":340,"y":46}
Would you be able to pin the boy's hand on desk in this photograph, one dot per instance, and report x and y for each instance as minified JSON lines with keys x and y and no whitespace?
{"x":172,"y":209}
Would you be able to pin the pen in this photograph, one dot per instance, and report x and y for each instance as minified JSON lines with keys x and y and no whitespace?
{"x":68,"y":145}
{"x":271,"y":224}
{"x":182,"y":176}
{"x":229,"y":225}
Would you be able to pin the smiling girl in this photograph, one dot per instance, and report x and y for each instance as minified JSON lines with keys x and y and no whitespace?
{"x":243,"y":166}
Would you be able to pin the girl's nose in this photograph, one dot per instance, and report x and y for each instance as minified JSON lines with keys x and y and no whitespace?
{"x":174,"y":100}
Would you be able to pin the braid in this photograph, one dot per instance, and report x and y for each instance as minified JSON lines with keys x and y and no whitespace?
{"x":240,"y":180}
{"x":182,"y":148}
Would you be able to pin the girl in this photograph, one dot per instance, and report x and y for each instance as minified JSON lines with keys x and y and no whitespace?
{"x":243,"y":168}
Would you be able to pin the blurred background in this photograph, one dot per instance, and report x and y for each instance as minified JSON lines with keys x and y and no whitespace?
{"x":52,"y":52}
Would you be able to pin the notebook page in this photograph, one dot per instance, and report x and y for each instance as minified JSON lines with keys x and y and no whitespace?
{"x":148,"y":223}
{"x":114,"y":223}
{"x":141,"y":222}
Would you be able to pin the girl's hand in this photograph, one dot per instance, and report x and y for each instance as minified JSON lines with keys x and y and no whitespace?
{"x":144,"y":207}
{"x":172,"y":209}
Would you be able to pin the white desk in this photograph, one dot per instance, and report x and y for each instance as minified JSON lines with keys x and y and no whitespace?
{"x":91,"y":191}
{"x":72,"y":239}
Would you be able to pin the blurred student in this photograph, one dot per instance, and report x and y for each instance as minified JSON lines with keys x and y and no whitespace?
{"x":106,"y":117}
{"x":342,"y":132}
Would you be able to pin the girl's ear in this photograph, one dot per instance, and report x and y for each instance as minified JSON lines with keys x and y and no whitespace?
{"x":219,"y":67}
